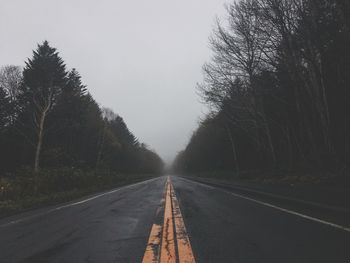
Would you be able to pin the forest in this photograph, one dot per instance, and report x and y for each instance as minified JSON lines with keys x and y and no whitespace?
{"x":277,"y":88}
{"x":54,"y":136}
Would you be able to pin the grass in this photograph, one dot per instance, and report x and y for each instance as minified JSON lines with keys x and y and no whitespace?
{"x":24,"y":190}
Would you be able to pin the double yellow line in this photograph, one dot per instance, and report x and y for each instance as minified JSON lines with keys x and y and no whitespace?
{"x":169,"y":243}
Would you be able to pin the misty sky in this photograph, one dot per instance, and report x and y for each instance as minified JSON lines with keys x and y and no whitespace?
{"x":141,"y":58}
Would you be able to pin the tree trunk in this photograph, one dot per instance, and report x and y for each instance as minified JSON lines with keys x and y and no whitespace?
{"x":39,"y":144}
{"x":101,"y":144}
{"x":233,"y":149}
{"x":289,"y":150}
{"x":270,"y":142}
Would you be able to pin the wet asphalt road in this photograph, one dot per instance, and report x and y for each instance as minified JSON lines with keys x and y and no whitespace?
{"x":114,"y":227}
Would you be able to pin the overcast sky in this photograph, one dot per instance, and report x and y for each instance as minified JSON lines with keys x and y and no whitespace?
{"x":141,"y":58}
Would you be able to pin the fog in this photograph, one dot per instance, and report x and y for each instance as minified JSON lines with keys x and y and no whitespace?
{"x":140,"y":58}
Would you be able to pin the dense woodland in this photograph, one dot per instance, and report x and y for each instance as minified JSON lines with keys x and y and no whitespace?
{"x":48,"y":120}
{"x":278,"y":89}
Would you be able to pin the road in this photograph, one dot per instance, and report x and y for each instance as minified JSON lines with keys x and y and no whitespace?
{"x":217,"y":225}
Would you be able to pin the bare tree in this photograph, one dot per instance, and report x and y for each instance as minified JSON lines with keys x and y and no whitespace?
{"x":240,"y":51}
{"x":10,"y":80}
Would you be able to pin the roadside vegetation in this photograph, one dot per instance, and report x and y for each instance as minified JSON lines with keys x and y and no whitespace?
{"x":56,"y":142}
{"x":277,"y":87}
{"x":26,"y":190}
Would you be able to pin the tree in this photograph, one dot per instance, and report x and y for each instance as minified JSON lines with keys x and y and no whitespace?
{"x":10,"y":80}
{"x":67,"y":124}
{"x":48,"y":110}
{"x":5,"y":109}
{"x":108,"y":115}
{"x":278,"y":83}
{"x":240,"y":53}
{"x":44,"y":76}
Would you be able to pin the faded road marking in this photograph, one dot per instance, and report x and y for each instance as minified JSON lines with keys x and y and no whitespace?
{"x":167,"y":253}
{"x":183,"y":243}
{"x":292,"y":212}
{"x":318,"y":220}
{"x":175,"y":244}
{"x":152,"y":250}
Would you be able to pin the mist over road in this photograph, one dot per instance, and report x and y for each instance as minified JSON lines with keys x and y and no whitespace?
{"x":222,"y":227}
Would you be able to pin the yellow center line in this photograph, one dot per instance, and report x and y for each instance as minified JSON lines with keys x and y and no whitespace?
{"x":163,"y":239}
{"x":167,"y":253}
{"x":152,"y":250}
{"x":183,"y":242}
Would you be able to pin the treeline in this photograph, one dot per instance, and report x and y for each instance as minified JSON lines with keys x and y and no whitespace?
{"x":48,"y":120}
{"x":278,"y":86}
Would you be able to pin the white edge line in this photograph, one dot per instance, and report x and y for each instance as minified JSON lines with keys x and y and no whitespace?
{"x":73,"y":204}
{"x":278,"y":208}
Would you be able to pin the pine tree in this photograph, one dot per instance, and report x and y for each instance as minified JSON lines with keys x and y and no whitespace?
{"x":44,"y":76}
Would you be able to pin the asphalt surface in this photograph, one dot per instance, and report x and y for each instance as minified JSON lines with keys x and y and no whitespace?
{"x":222,"y":227}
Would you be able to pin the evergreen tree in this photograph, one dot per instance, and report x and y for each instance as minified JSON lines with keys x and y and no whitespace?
{"x":68,"y":122}
{"x":44,"y":77}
